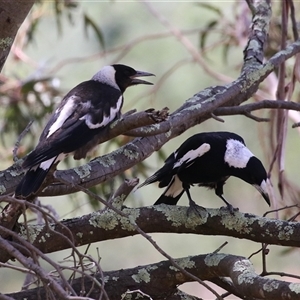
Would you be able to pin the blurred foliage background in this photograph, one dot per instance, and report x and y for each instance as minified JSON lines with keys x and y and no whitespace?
{"x":62,"y":43}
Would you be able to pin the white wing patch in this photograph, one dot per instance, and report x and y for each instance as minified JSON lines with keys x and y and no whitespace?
{"x":106,"y":119}
{"x":237,"y":154}
{"x":64,"y":114}
{"x":175,"y":188}
{"x":48,"y":163}
{"x":45,"y":165}
{"x":192,"y":155}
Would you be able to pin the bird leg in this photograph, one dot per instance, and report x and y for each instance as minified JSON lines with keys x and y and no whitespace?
{"x":219,"y":193}
{"x":228,"y":205}
{"x":192,"y":204}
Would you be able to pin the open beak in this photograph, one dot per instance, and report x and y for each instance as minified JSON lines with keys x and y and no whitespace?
{"x":262,"y":188}
{"x":135,"y":80}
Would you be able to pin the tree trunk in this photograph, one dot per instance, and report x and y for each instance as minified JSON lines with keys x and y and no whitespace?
{"x":12,"y":15}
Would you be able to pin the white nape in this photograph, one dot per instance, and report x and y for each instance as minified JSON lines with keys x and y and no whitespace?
{"x":237,"y":154}
{"x":107,"y":75}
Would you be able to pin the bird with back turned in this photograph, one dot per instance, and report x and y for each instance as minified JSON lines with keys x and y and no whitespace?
{"x":208,"y":159}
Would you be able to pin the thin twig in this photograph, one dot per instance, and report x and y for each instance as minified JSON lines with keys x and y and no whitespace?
{"x":4,"y":244}
{"x":293,"y":18}
{"x":247,"y":108}
{"x":20,"y":138}
{"x":221,"y":247}
{"x":217,"y":118}
{"x":281,"y":274}
{"x":257,"y":119}
{"x":279,"y":209}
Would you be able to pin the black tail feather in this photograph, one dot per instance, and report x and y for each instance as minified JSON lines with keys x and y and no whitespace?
{"x":31,"y":183}
{"x":164,"y":175}
{"x":169,"y":200}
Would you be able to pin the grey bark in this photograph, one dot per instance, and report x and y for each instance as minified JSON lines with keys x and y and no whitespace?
{"x":12,"y":15}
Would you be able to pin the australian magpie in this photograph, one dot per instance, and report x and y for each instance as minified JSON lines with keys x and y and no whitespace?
{"x":85,"y":112}
{"x":208,"y":159}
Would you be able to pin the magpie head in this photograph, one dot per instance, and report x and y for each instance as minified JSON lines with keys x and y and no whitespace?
{"x":121,"y":76}
{"x":256,"y":175}
{"x":246,"y":166}
{"x":126,"y":76}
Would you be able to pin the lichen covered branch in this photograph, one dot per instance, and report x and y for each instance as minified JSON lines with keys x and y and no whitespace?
{"x":107,"y":224}
{"x":160,"y":280}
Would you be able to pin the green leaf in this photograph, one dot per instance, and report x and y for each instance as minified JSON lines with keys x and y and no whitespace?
{"x":205,"y":32}
{"x":58,"y":14}
{"x":88,"y":22}
{"x":32,"y":30}
{"x":226,"y":49}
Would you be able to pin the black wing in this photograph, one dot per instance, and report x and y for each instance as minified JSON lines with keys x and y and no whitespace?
{"x":84,"y":111}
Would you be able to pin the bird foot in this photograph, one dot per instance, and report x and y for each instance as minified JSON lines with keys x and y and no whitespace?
{"x":195,"y":209}
{"x":230,"y":208}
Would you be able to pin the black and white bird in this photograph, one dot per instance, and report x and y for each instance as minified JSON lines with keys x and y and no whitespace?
{"x":208,"y":159}
{"x":85,"y":112}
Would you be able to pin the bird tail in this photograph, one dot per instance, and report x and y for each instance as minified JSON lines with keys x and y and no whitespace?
{"x":172,"y":193}
{"x":164,"y":175}
{"x":150,"y":180}
{"x":169,"y":200}
{"x":33,"y":179}
{"x":166,"y":178}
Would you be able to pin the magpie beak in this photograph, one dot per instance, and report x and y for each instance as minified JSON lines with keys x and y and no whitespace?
{"x":262,"y":188}
{"x":135,"y":80}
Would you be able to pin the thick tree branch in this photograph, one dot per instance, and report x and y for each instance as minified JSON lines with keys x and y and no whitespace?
{"x":107,"y":224}
{"x":12,"y":15}
{"x":160,"y":280}
{"x":254,"y":51}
